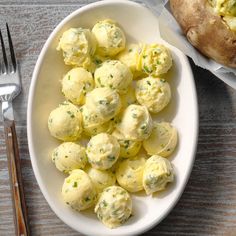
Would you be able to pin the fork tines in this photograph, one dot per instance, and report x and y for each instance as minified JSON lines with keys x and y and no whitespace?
{"x":7,"y":66}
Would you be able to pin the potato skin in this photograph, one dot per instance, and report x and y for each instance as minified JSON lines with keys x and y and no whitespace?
{"x":206,"y":30}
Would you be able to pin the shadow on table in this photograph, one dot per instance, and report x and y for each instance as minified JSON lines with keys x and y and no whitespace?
{"x":205,"y":207}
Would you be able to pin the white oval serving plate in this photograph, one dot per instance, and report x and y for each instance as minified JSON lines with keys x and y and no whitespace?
{"x":140,"y":25}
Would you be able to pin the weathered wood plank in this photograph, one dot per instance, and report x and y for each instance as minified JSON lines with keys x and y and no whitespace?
{"x":208,"y":205}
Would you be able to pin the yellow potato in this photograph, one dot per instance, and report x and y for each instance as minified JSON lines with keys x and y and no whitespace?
{"x":110,"y":38}
{"x":65,"y":122}
{"x":154,"y":59}
{"x":130,"y":58}
{"x":76,"y":84}
{"x":113,"y":74}
{"x":78,"y":191}
{"x":104,"y":103}
{"x":136,"y":123}
{"x":129,"y":174}
{"x":77,"y":45}
{"x":157,"y":173}
{"x":69,"y":156}
{"x":154,"y":93}
{"x":101,"y":178}
{"x":162,"y":140}
{"x":128,"y":148}
{"x":114,"y":206}
{"x":103,"y":151}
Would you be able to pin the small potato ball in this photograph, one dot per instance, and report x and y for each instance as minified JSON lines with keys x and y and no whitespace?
{"x":155,"y":59}
{"x":136,"y":123}
{"x":104,"y":102}
{"x":158,"y":172}
{"x":130,"y":57}
{"x":129,"y":174}
{"x":69,"y":156}
{"x":103,"y":151}
{"x":65,"y":122}
{"x":162,"y":140}
{"x":153,"y":93}
{"x":78,"y":191}
{"x":101,"y":178}
{"x":76,"y":84}
{"x":114,"y":206}
{"x":77,"y":45}
{"x":128,"y":148}
{"x":110,"y":38}
{"x":115,"y":75}
{"x":93,"y":124}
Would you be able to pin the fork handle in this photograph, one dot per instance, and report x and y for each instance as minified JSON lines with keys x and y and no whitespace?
{"x":18,"y":199}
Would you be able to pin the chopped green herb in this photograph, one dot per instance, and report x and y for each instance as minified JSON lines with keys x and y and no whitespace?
{"x":87,"y":199}
{"x":111,"y":158}
{"x":163,"y":80}
{"x":66,"y":156}
{"x":100,"y":217}
{"x":148,"y":82}
{"x":104,"y":203}
{"x":146,"y":69}
{"x":97,"y":61}
{"x":75,"y":184}
{"x":103,"y":102}
{"x":68,"y":77}
{"x":64,"y":104}
{"x":144,"y":126}
{"x":99,"y":80}
{"x":111,"y":75}
{"x":130,"y":50}
{"x":126,"y":143}
{"x":71,"y":114}
{"x":95,"y":130}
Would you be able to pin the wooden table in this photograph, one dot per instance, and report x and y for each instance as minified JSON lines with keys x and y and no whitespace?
{"x":208,"y":204}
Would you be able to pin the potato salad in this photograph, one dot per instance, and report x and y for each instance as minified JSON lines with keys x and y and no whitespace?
{"x":110,"y":144}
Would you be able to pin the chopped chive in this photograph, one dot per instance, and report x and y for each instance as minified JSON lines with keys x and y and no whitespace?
{"x":111,"y":158}
{"x":87,"y":199}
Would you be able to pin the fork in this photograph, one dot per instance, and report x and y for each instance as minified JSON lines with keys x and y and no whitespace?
{"x":10,"y":87}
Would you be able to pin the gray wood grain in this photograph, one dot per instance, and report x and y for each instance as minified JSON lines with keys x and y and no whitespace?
{"x":208,"y":204}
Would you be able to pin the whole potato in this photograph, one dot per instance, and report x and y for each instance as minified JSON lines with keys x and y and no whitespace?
{"x":207,"y":29}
